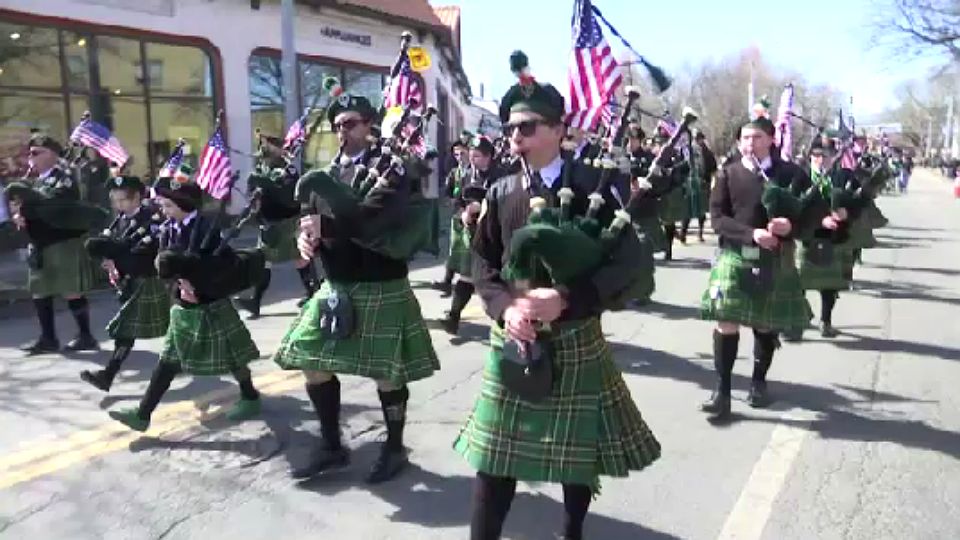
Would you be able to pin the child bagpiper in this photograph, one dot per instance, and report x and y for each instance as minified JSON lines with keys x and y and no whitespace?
{"x":128,"y":249}
{"x":206,"y":335}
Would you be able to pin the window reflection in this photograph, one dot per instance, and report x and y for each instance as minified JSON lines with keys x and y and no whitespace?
{"x":21,"y":114}
{"x":368,"y":84}
{"x":76,"y":52}
{"x":178,"y":70}
{"x":29,"y":56}
{"x":120,"y":67}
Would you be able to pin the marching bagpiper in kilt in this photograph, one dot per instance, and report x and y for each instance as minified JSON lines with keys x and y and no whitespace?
{"x":56,"y":223}
{"x":754,"y":281}
{"x":585,"y":423}
{"x":205,"y":335}
{"x":459,"y":249}
{"x":703,"y":165}
{"x":365,"y":319}
{"x":278,"y":216}
{"x":822,"y":255}
{"x":128,"y":249}
{"x":464,"y":223}
{"x":673,"y":195}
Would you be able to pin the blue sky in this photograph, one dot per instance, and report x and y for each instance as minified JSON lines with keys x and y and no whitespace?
{"x":802,"y":36}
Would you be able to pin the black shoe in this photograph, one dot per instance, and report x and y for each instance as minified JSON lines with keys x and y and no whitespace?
{"x":98,"y":379}
{"x":451,"y":325}
{"x":718,"y":406}
{"x":83,"y":343}
{"x":322,"y":459}
{"x":41,"y":346}
{"x":758,"y":398}
{"x":793,"y":336}
{"x":250,"y":306}
{"x":445,"y":288}
{"x":388,"y":465}
{"x":828,"y":331}
{"x":701,"y":239}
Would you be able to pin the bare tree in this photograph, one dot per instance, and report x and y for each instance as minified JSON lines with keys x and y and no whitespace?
{"x":918,"y":26}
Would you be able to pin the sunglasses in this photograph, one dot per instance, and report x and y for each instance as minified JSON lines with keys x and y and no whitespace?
{"x":527,"y":127}
{"x":346,"y":125}
{"x":36,"y":152}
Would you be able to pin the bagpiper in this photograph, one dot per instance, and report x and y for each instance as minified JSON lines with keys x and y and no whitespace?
{"x":466,"y":211}
{"x":206,"y":336}
{"x":456,"y":178}
{"x":278,"y":213}
{"x":365,"y":319}
{"x":128,"y":249}
{"x":703,"y":165}
{"x":56,"y":222}
{"x":673,"y":198}
{"x":754,"y":208}
{"x":517,"y":435}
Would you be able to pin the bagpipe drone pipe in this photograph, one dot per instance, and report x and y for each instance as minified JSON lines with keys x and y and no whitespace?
{"x":382,"y":205}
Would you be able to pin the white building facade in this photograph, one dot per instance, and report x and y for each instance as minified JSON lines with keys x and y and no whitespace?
{"x":155,"y":71}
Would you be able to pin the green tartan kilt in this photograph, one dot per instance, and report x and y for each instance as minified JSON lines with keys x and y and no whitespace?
{"x":861,"y":234}
{"x":698,"y":199}
{"x":651,"y":227}
{"x":390,"y":340}
{"x":588,"y":427}
{"x":815,"y":277}
{"x":645,"y":283}
{"x":783,"y":308}
{"x":145,"y":315}
{"x":279,"y":240}
{"x":67,"y":269}
{"x":208,"y":339}
{"x":673,"y":207}
{"x":460,"y":260}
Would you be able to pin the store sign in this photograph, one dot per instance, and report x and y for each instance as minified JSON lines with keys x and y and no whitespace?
{"x":335,"y":33}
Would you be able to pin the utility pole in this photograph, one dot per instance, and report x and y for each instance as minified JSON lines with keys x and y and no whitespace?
{"x":288,"y":63}
{"x":948,"y":126}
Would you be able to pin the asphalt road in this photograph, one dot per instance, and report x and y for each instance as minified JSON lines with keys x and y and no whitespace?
{"x":863,"y":441}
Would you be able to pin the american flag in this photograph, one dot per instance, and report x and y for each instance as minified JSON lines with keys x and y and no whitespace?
{"x":404,"y":88}
{"x":98,"y":137}
{"x":214,"y":175}
{"x":593,"y":74}
{"x":297,"y":132}
{"x":667,"y":124}
{"x":173,"y":162}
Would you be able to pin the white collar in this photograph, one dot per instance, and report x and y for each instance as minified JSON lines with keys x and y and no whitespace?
{"x":189,"y":218}
{"x":358,"y":157}
{"x":551,"y":172}
{"x":47,"y":172}
{"x":751,"y":165}
{"x":578,"y":152}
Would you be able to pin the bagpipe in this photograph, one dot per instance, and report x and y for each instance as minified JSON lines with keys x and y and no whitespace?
{"x":659,"y":178}
{"x":397,"y":168}
{"x":133,"y":250}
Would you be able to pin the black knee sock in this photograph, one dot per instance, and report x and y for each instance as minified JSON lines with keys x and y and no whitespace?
{"x":245,"y":380}
{"x":828,"y":299}
{"x":261,"y":287}
{"x":160,"y":381}
{"x":576,"y":502}
{"x":44,"y":307}
{"x":462,"y":292}
{"x":394,"y":406}
{"x":724,"y":357}
{"x":492,"y":496}
{"x":684,"y":227}
{"x":326,"y":402}
{"x":764,"y":345}
{"x":700,"y":221}
{"x":80,"y":308}
{"x":121,"y":349}
{"x":448,"y":277}
{"x":308,"y":279}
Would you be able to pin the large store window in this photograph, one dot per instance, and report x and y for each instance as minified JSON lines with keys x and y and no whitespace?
{"x":266,"y":96}
{"x":150,"y":93}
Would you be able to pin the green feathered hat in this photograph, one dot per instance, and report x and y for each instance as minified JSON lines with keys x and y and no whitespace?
{"x":129,"y":183}
{"x":346,"y":103}
{"x":530,"y":96}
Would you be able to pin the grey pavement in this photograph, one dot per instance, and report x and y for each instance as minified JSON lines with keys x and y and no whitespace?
{"x":863,"y":441}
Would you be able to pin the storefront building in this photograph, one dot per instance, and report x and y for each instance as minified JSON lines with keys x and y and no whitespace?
{"x":155,"y":71}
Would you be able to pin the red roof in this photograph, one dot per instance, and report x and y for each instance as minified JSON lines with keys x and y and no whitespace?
{"x":450,"y":17}
{"x":417,"y":12}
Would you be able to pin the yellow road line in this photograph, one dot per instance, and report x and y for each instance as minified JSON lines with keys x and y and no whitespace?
{"x":50,"y":457}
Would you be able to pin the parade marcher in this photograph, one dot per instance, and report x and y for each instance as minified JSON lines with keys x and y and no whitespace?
{"x":646,"y":217}
{"x":56,"y":222}
{"x":456,"y":178}
{"x":754,"y":281}
{"x":673,"y":199}
{"x":703,"y":165}
{"x":820,"y":258}
{"x":507,"y":437}
{"x":205,"y":335}
{"x":278,"y":214}
{"x":386,"y":338}
{"x":128,"y":249}
{"x":467,"y":209}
